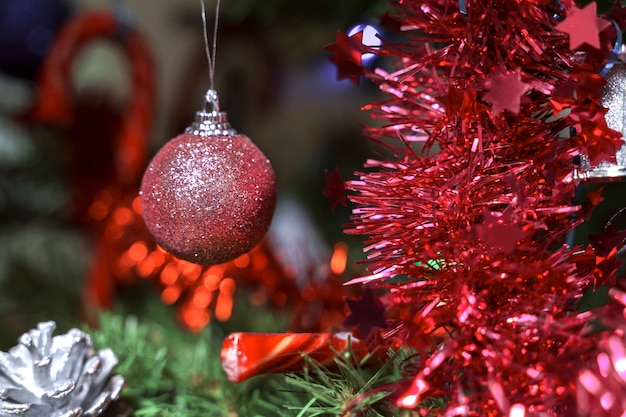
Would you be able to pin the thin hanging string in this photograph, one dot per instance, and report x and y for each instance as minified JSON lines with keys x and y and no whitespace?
{"x":210,"y":53}
{"x":610,"y":222}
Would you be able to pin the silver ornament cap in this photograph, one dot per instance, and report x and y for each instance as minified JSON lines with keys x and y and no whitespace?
{"x":211,"y":121}
{"x":60,"y":376}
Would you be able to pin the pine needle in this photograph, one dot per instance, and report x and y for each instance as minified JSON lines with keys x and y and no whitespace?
{"x":170,"y":372}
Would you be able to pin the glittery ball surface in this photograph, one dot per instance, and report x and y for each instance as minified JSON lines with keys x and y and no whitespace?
{"x":208,"y":199}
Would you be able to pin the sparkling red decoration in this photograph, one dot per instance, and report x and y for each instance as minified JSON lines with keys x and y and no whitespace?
{"x":208,"y":199}
{"x":583,"y":26}
{"x":599,"y":140}
{"x":347,"y":55}
{"x":499,"y":232}
{"x":335,"y":189}
{"x":505,"y":91}
{"x":466,"y":220}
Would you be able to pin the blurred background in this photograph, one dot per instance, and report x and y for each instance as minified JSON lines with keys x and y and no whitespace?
{"x":91,"y":89}
{"x":66,"y":103}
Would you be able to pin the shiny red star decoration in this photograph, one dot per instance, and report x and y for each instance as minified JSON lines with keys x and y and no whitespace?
{"x":467,"y":237}
{"x":583,"y":26}
{"x":593,"y":199}
{"x":609,"y":240}
{"x":347,"y":55}
{"x":335,"y":189}
{"x":506,"y":91}
{"x":499,"y":232}
{"x":600,"y":142}
{"x":366,"y":313}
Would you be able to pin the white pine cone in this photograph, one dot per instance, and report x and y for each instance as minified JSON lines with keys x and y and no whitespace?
{"x":60,"y":376}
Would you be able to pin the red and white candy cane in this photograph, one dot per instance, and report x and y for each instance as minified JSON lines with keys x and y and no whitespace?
{"x":55,"y":97}
{"x":245,"y":355}
{"x":57,"y":104}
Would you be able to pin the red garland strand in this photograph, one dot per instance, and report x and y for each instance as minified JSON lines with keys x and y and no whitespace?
{"x":472,"y":226}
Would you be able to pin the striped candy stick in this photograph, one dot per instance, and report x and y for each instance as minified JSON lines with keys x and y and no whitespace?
{"x":245,"y":355}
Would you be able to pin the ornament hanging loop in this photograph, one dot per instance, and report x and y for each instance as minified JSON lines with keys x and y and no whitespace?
{"x":211,"y":53}
{"x":211,"y":121}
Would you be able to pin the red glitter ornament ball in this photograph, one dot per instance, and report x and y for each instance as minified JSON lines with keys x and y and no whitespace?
{"x":208,"y":195}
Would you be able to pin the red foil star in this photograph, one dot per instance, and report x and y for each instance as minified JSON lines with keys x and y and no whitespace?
{"x":583,"y":26}
{"x":335,"y":189}
{"x":593,"y":199}
{"x":506,"y":91}
{"x":347,"y":53}
{"x":499,"y":232}
{"x":366,"y":313}
{"x":599,"y":140}
{"x":608,"y":240}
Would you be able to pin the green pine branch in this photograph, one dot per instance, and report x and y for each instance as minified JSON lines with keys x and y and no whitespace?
{"x":170,"y":372}
{"x":353,"y":389}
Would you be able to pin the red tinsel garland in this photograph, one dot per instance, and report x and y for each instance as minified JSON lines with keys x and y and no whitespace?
{"x":466,"y":221}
